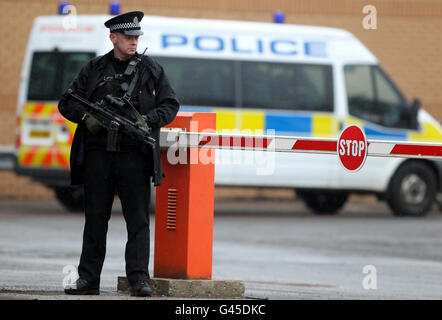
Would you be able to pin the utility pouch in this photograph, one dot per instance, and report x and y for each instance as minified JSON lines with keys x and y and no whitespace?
{"x":112,"y":137}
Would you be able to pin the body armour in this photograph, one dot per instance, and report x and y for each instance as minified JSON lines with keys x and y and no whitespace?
{"x":113,"y":77}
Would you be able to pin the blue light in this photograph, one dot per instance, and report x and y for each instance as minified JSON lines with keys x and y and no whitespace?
{"x":278,"y":17}
{"x":114,"y":8}
{"x":61,"y":7}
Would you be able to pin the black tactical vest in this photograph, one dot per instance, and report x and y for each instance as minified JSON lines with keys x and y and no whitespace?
{"x":113,"y":77}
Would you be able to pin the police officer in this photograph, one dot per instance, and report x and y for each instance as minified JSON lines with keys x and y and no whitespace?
{"x":127,"y":166}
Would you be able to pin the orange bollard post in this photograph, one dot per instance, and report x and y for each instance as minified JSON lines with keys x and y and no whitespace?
{"x":184,"y":207}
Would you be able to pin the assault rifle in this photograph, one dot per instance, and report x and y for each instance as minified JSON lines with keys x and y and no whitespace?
{"x":105,"y":112}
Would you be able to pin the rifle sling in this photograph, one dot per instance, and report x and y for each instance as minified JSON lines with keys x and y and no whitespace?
{"x":140,"y":120}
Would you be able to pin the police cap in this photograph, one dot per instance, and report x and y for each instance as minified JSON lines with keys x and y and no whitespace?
{"x":127,"y":23}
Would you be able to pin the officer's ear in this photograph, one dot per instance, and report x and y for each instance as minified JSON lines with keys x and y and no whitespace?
{"x":113,"y":37}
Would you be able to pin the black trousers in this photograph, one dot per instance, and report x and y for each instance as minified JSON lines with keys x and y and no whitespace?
{"x":128,"y":174}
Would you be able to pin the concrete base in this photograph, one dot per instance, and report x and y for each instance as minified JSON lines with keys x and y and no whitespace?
{"x":190,"y":288}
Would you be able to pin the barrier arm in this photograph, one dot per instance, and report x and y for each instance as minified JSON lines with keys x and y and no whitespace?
{"x":377,"y":148}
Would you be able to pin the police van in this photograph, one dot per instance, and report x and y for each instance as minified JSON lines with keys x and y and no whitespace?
{"x":266,"y":78}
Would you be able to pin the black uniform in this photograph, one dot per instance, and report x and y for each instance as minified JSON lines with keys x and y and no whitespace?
{"x":127,"y":171}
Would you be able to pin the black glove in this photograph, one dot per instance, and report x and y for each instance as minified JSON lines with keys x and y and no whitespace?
{"x":92,"y":124}
{"x":150,"y":120}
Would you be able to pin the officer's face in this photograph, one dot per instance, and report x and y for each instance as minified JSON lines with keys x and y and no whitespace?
{"x":123,"y":44}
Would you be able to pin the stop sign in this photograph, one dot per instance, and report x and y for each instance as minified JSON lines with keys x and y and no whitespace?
{"x":352,"y":148}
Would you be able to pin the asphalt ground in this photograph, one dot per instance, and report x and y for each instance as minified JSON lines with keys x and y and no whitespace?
{"x":270,"y":241}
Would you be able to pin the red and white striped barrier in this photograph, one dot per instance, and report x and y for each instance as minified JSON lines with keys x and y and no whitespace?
{"x":377,"y":148}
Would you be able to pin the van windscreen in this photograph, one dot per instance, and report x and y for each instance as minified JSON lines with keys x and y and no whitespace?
{"x":52,"y":72}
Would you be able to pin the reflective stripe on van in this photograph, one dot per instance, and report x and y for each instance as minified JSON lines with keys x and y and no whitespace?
{"x":46,"y":137}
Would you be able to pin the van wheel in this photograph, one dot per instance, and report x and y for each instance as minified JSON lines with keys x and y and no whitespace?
{"x":412,"y":189}
{"x":323,"y":202}
{"x":72,"y":198}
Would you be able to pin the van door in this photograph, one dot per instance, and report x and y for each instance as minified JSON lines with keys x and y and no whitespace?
{"x":376,"y":104}
{"x":287,"y":99}
{"x":45,"y":136}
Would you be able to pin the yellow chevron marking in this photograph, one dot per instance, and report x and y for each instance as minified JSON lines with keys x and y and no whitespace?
{"x":429,"y":132}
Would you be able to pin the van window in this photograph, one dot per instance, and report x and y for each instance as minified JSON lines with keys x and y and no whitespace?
{"x":52,"y":72}
{"x":373,"y":97}
{"x":287,"y":86}
{"x":201,"y":82}
{"x":227,"y":83}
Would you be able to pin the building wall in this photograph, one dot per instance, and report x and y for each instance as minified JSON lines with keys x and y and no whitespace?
{"x":407,"y":41}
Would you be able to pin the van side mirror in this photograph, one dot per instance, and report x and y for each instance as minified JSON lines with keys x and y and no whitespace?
{"x":413,"y":112}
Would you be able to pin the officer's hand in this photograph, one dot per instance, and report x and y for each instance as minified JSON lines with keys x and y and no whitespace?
{"x":146,"y":119}
{"x":92,"y":124}
{"x":149,"y":121}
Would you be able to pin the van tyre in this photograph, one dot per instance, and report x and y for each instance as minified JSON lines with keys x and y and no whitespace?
{"x":412,"y":190}
{"x":323,"y":202}
{"x":72,"y":198}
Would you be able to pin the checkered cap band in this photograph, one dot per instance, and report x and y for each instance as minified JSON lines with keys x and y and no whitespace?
{"x":125,"y":26}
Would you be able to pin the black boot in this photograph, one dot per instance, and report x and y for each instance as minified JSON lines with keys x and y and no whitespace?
{"x":83,"y":287}
{"x":141,"y":288}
